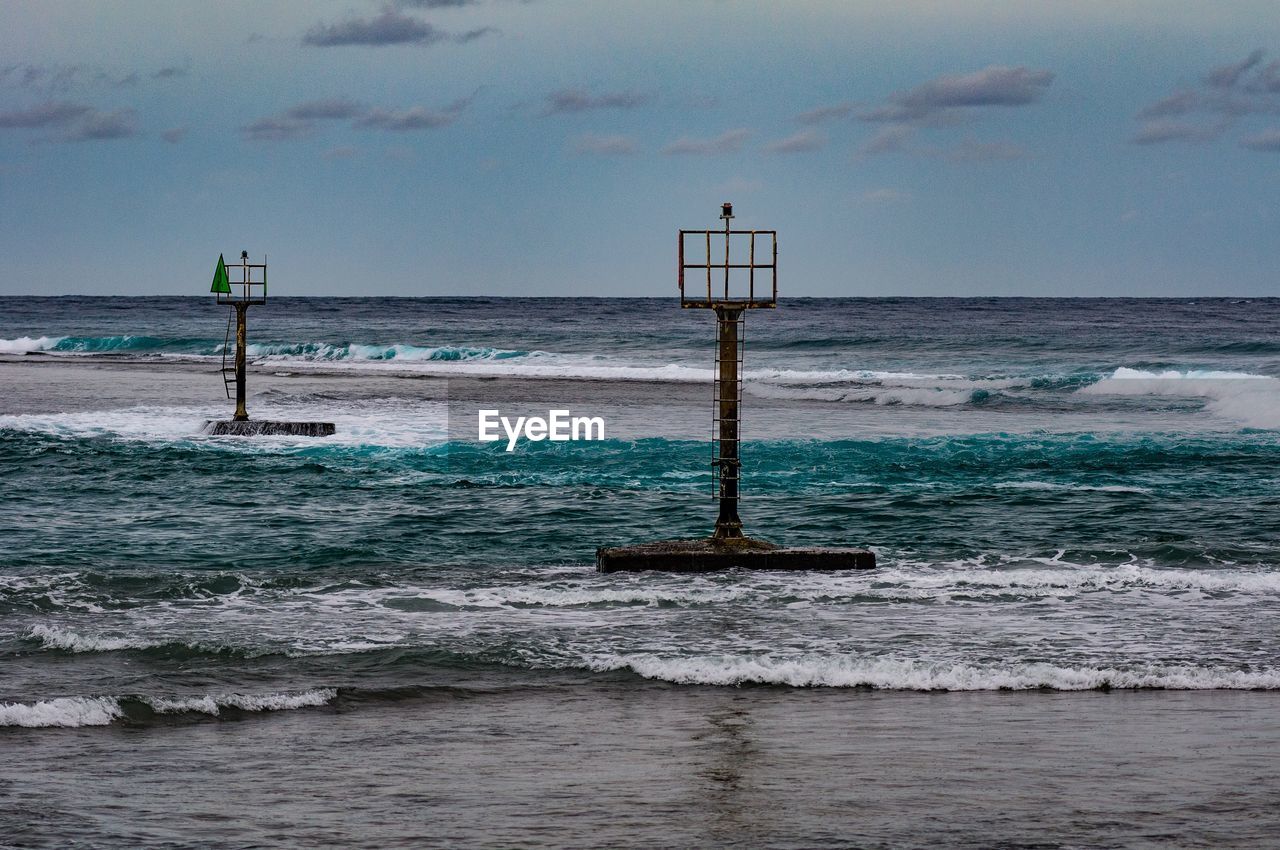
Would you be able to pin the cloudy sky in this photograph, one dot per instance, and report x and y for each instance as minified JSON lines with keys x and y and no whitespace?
{"x":554,"y":147}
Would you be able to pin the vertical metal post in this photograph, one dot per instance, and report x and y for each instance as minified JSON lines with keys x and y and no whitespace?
{"x":242,"y":415}
{"x":726,"y":256}
{"x":728,"y":525}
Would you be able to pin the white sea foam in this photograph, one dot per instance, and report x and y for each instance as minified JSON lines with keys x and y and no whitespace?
{"x":571,"y":597}
{"x":61,"y":711}
{"x":1048,"y":485}
{"x":138,"y":423}
{"x":391,"y":424}
{"x":210,"y":704}
{"x":101,"y":711}
{"x":26,"y":344}
{"x":907,"y":674}
{"x":397,"y":352}
{"x":922,"y":396}
{"x":1249,"y":399}
{"x":1055,"y":574}
{"x":53,"y":637}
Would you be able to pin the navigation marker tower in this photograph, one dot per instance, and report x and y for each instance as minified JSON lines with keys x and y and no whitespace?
{"x":248,"y":289}
{"x":728,"y":271}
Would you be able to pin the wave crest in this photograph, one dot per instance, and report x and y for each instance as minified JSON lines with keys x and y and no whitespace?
{"x":74,"y":712}
{"x":909,"y":675}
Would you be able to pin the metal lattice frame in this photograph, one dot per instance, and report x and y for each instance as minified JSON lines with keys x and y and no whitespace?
{"x":713,"y":288}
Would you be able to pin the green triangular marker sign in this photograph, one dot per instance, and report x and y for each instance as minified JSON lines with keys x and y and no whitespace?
{"x":220,"y":281}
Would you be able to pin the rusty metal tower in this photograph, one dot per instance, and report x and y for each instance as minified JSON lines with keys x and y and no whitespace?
{"x":725,"y":265}
{"x":728,"y":271}
{"x":249,"y":287}
{"x":239,"y":295}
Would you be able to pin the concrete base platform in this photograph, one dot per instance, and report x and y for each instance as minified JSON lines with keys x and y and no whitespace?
{"x":267,"y":428}
{"x":707,"y":555}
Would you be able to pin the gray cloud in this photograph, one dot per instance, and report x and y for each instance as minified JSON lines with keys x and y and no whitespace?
{"x":1179,"y":103}
{"x":273,"y":129}
{"x":103,"y":126}
{"x":169,"y":73}
{"x":50,"y":79}
{"x":605,"y":145}
{"x":1268,"y":140}
{"x":390,"y":27}
{"x":1158,"y":132}
{"x":331,"y":108}
{"x":1226,"y":76}
{"x":995,"y":85}
{"x":43,"y":115}
{"x":343,"y":152}
{"x":727,"y":142}
{"x":174,"y":135}
{"x":1229,"y":92}
{"x":802,"y":142}
{"x":413,"y":118}
{"x":949,"y":101}
{"x":825,"y":113}
{"x":471,"y":35}
{"x":890,"y":139}
{"x":1269,"y":78}
{"x":73,"y":122}
{"x":299,"y":122}
{"x":433,"y":4}
{"x":579,"y":100}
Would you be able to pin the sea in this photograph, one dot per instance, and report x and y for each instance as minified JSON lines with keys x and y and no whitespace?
{"x":396,"y":636}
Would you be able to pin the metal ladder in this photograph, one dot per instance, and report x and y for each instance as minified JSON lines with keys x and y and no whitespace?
{"x":723,"y":469}
{"x":228,"y":357}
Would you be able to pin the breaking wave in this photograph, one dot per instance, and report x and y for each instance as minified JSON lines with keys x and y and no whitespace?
{"x":71,"y":712}
{"x":1252,"y":400}
{"x":911,"y":675}
{"x":350,"y":351}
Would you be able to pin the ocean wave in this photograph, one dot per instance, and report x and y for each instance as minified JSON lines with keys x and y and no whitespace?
{"x":923,"y":396}
{"x":71,"y":712}
{"x":323,"y":351}
{"x":1079,"y":488}
{"x":1249,"y":399}
{"x":903,"y":388}
{"x":390,"y":423}
{"x":61,"y":711}
{"x":52,"y":637}
{"x":26,"y":344}
{"x":1053,"y":574}
{"x":912,"y":675}
{"x":102,"y":344}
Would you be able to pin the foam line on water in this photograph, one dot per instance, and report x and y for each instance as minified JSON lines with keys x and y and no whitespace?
{"x":73,"y":712}
{"x":387,"y":425}
{"x":1249,"y":399}
{"x":910,"y":675}
{"x":26,"y":344}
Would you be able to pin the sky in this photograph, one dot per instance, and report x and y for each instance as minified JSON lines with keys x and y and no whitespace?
{"x":555,"y":147}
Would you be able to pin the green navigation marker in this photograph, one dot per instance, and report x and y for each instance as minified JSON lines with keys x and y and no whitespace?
{"x":220,"y":281}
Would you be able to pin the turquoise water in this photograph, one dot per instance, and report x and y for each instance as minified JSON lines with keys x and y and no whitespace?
{"x":1063,"y":494}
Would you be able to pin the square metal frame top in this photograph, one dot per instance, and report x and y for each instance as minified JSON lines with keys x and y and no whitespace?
{"x":713,"y":289}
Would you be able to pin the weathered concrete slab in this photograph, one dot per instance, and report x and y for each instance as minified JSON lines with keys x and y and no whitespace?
{"x":268,"y":428}
{"x":706,"y":555}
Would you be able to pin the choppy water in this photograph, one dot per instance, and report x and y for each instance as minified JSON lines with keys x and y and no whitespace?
{"x":1063,"y":494}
